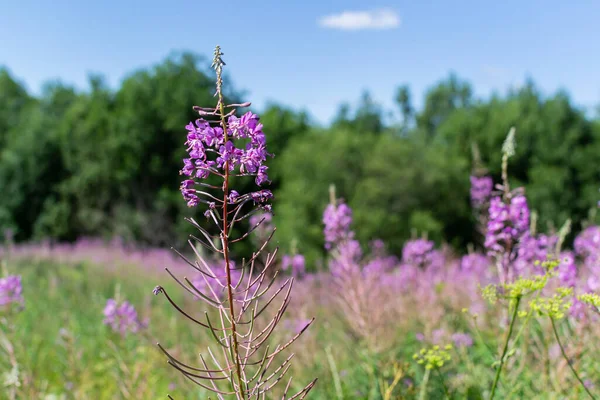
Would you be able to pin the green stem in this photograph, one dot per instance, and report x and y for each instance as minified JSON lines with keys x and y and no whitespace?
{"x":481,"y":339}
{"x":443,"y":384}
{"x":510,"y":330}
{"x":334,"y":373}
{"x":423,"y":393}
{"x":562,"y":350}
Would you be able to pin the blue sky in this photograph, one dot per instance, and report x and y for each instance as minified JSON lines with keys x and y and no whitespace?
{"x":304,"y":54}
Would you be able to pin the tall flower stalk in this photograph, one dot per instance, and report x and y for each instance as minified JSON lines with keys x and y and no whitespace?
{"x":245,"y":371}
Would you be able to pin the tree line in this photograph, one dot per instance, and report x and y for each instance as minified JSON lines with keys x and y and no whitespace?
{"x":104,"y":162}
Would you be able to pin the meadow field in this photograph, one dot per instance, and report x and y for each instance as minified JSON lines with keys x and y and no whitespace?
{"x":376,"y":318}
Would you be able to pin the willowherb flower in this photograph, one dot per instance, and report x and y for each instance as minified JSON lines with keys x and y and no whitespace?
{"x":532,"y":250}
{"x":587,"y":243}
{"x":578,"y":309}
{"x":11,"y":291}
{"x":347,"y":259}
{"x":476,"y":265}
{"x":231,"y":146}
{"x":203,"y":140}
{"x":592,"y":283}
{"x":419,"y":252}
{"x":508,"y":222}
{"x":355,"y":279}
{"x":462,"y":339}
{"x":481,"y":190}
{"x":122,"y":317}
{"x":337,"y":219}
{"x":567,"y":270}
{"x":380,"y":265}
{"x":294,"y":262}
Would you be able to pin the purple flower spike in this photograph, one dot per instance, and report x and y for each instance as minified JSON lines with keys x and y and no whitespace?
{"x":204,"y":140}
{"x":419,"y":252}
{"x":296,"y":262}
{"x":507,"y":223}
{"x":337,"y":220}
{"x":11,"y":291}
{"x":481,"y":190}
{"x":122,"y":318}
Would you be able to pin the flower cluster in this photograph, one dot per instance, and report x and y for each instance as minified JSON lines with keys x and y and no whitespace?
{"x":434,"y":357}
{"x":122,"y":317}
{"x":555,"y":306}
{"x":508,"y":222}
{"x":11,"y":291}
{"x":587,"y":243}
{"x":474,"y":263}
{"x":420,"y":253}
{"x":591,"y":299}
{"x":337,"y":220}
{"x":523,"y":286}
{"x":567,"y":270}
{"x":203,"y":140}
{"x":481,"y":190}
{"x":532,"y":249}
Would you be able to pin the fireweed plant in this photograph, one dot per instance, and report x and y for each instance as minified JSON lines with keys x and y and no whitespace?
{"x":530,"y":267}
{"x":356,"y":278}
{"x":226,"y":147}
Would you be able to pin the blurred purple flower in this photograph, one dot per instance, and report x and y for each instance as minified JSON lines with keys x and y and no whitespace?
{"x":577,"y":309}
{"x":11,"y":290}
{"x":567,"y":269}
{"x":587,"y":243}
{"x":379,"y":265}
{"x":337,"y":220}
{"x":593,"y":283}
{"x":532,"y":249}
{"x":437,"y":336}
{"x":506,"y":224}
{"x":419,"y":252}
{"x":481,"y":190}
{"x":296,"y":262}
{"x":462,"y":339}
{"x":122,"y":318}
{"x":347,"y":260}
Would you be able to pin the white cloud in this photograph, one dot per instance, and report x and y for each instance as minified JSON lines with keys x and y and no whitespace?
{"x":360,"y":20}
